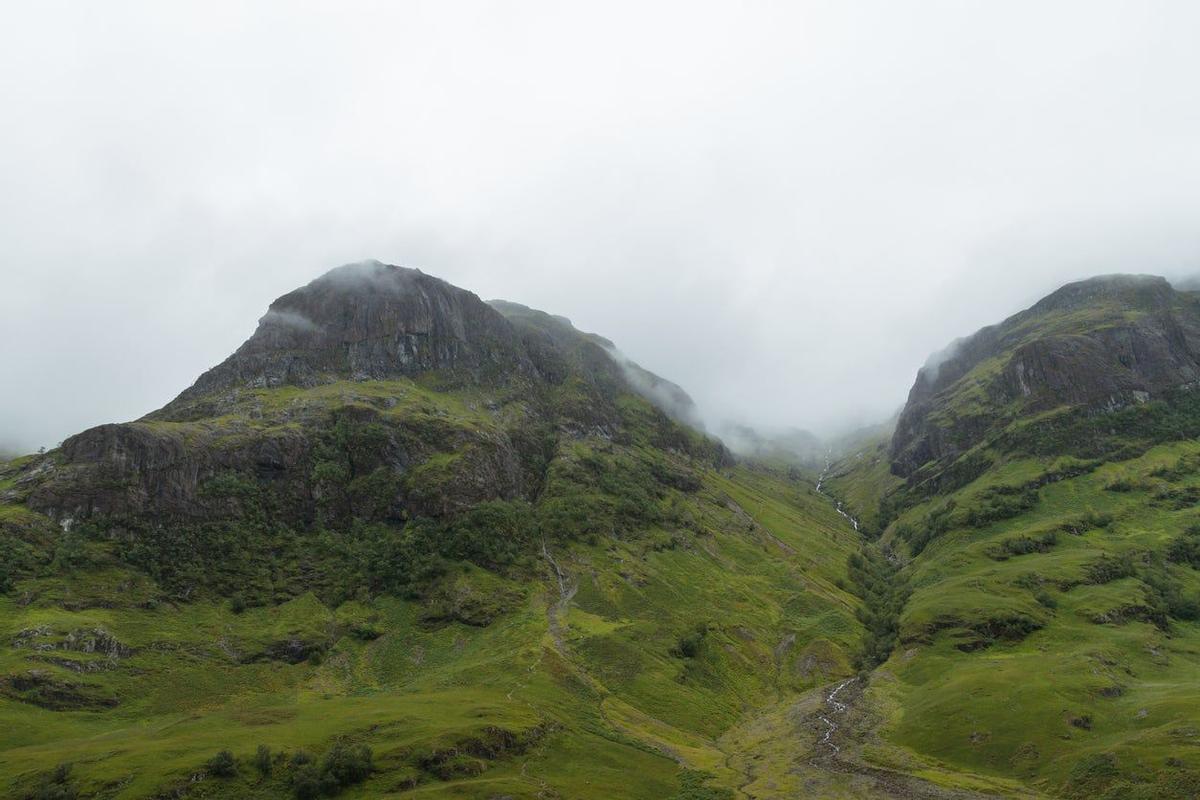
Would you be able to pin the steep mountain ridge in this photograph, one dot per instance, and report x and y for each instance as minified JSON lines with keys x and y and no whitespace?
{"x":1101,"y":344}
{"x":339,"y":346}
{"x":408,"y":540}
{"x":366,"y":321}
{"x":406,"y":543}
{"x":1033,"y":599}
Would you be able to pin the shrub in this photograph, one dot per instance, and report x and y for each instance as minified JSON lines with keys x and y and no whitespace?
{"x":1184,"y":467}
{"x":1086,"y":522}
{"x":16,"y":558}
{"x":1030,"y":580}
{"x":262,"y":760}
{"x":877,"y":582}
{"x":1001,"y":502}
{"x":693,"y":785}
{"x":307,"y":783}
{"x":365,"y":632}
{"x":222,"y":765}
{"x":57,"y":785}
{"x":348,"y":764}
{"x":1010,"y":626}
{"x":1166,"y":598}
{"x":1178,"y":497}
{"x":1024,"y":545}
{"x":493,"y":534}
{"x":936,"y":523}
{"x":344,"y":765}
{"x":1092,"y":774}
{"x":689,"y":646}
{"x":1185,"y":548}
{"x":350,"y":476}
{"x":1108,"y":569}
{"x":69,"y":553}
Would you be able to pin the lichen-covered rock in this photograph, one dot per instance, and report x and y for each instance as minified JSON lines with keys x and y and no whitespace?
{"x":1102,"y":344}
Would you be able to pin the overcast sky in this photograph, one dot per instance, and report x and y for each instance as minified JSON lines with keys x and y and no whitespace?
{"x":784,"y":207}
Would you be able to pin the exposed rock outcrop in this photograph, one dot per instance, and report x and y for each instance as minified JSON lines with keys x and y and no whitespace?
{"x":366,"y":321}
{"x":1103,"y":344}
{"x":228,"y":443}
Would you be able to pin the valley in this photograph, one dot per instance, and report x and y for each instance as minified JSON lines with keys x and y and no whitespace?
{"x":404,"y":543}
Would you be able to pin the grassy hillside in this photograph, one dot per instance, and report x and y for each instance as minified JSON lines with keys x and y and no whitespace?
{"x":861,"y":479}
{"x":1069,"y":375}
{"x":489,"y":559}
{"x":1051,"y":633}
{"x":603,"y":666}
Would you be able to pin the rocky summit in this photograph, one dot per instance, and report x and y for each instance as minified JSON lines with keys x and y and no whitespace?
{"x":367,"y":321}
{"x":1099,"y":344}
{"x":328,"y":354}
{"x":407,"y":543}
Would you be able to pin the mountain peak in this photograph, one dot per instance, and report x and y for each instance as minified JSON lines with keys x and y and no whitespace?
{"x":1134,"y":291}
{"x":369,"y":321}
{"x":1102,"y":344}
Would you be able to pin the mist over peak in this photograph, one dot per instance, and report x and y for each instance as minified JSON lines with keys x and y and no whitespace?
{"x":786,"y":222}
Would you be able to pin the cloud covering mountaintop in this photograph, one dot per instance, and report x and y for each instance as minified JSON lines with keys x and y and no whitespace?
{"x":784,"y":211}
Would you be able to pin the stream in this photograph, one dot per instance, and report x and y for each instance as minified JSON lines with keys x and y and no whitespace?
{"x":837,"y":503}
{"x":837,"y":707}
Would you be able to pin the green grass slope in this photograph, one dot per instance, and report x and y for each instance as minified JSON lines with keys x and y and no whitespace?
{"x":600,"y":666}
{"x":1033,"y":599}
{"x":1052,"y":629}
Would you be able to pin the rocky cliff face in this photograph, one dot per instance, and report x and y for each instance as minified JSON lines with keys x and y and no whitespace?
{"x":373,"y":387}
{"x":557,"y":350}
{"x":367,"y":321}
{"x":1102,"y":344}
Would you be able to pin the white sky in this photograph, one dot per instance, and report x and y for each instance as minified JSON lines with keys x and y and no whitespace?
{"x":784,"y":207}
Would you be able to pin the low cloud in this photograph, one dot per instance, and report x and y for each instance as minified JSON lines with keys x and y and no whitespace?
{"x":785,"y":208}
{"x":291,"y":320}
{"x":668,"y":396}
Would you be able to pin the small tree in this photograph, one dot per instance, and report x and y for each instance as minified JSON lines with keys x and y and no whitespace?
{"x":223,"y":765}
{"x":307,"y":783}
{"x":348,"y":764}
{"x":262,"y":760}
{"x":56,"y":786}
{"x":237,"y":603}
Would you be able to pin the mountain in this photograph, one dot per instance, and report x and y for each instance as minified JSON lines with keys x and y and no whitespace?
{"x":367,"y":321}
{"x":1095,"y":346}
{"x":319,"y":375}
{"x":400,"y":542}
{"x":1036,"y":593}
{"x":406,"y":543}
